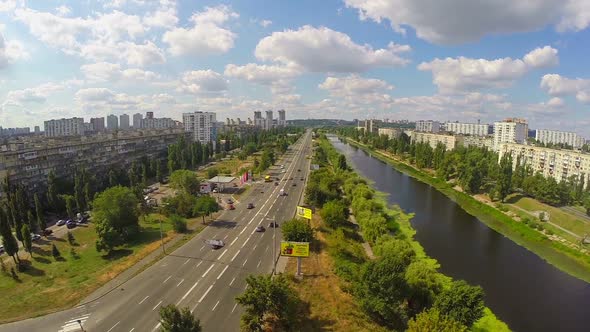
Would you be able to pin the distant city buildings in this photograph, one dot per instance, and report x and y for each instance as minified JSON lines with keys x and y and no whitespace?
{"x":112,"y":122}
{"x":137,"y":117}
{"x":369,"y":125}
{"x":124,"y":122}
{"x":97,"y":124}
{"x":547,"y":136}
{"x":269,"y":122}
{"x":201,"y":126}
{"x":449,"y":141}
{"x":390,"y":132}
{"x":282,"y":122}
{"x":463,"y":128}
{"x":64,"y":127}
{"x":428,"y":126}
{"x":14,"y":131}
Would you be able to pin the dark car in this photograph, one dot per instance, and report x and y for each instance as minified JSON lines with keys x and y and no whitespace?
{"x":276,"y":183}
{"x":260,"y":229}
{"x":71,"y":224}
{"x":294,"y":184}
{"x":47,"y":232}
{"x":302,"y":179}
{"x":298,"y":170}
{"x":290,"y":178}
{"x":250,"y":206}
{"x":273,"y":224}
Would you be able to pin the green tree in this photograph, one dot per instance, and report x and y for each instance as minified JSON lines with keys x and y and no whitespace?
{"x":112,"y":178}
{"x":174,"y":320}
{"x":27,"y":242}
{"x":182,"y":204}
{"x":342,"y":162}
{"x":462,"y":302}
{"x":79,"y":190}
{"x":39,"y":212}
{"x":204,"y":206}
{"x":87,"y":195}
{"x":70,"y":202}
{"x":424,"y":284}
{"x":8,"y":240}
{"x":32,"y":221}
{"x":587,"y":204}
{"x":116,"y":216}
{"x":268,"y":301}
{"x":52,"y":195}
{"x":178,"y":223}
{"x":212,"y":172}
{"x":159,"y":175}
{"x":504,"y":184}
{"x":185,"y":180}
{"x":334,"y":213}
{"x":297,"y":230}
{"x":432,"y":320}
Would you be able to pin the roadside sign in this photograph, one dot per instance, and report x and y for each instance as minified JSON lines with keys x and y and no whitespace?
{"x":294,"y":249}
{"x":304,"y":212}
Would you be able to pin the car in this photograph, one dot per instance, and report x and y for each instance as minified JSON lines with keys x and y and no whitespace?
{"x":276,"y":183}
{"x":273,"y":224}
{"x":71,"y":224}
{"x":61,"y":222}
{"x":230,"y":201}
{"x":291,"y":178}
{"x":35,"y":237}
{"x":282,"y":192}
{"x":1,"y":249}
{"x":294,"y":184}
{"x":215,"y":190}
{"x":302,"y":179}
{"x":47,"y":232}
{"x":283,"y":171}
{"x":260,"y":229}
{"x":250,"y":206}
{"x":215,"y":244}
{"x":298,"y":170}
{"x":231,"y":207}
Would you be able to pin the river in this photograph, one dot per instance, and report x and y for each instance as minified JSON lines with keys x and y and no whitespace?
{"x":521,"y":289}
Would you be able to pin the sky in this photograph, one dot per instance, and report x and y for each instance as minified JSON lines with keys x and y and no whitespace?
{"x":452,"y":60}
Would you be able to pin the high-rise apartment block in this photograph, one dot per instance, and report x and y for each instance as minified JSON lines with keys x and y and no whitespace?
{"x":268,"y":123}
{"x":474,"y":129}
{"x":124,"y":122}
{"x":511,"y":130}
{"x":428,"y":126}
{"x":64,"y":127}
{"x":97,"y":124}
{"x":157,"y":123}
{"x":282,"y":119}
{"x":369,"y":125}
{"x":559,"y":137}
{"x":201,"y":126}
{"x":449,"y":141}
{"x":14,"y":131}
{"x":258,"y":120}
{"x":390,"y":132}
{"x":137,"y":117}
{"x":112,"y":122}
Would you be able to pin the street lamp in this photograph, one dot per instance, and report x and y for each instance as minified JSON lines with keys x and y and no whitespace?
{"x":80,"y":322}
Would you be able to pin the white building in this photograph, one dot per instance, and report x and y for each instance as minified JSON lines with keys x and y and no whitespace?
{"x":124,"y":121}
{"x":511,"y":130}
{"x":64,"y":127}
{"x":475,"y":129}
{"x":112,"y":122}
{"x":282,"y":119}
{"x":449,"y":141}
{"x":157,"y":123}
{"x":479,"y":141}
{"x":201,"y":125}
{"x":559,"y":137}
{"x":390,"y":132}
{"x":137,"y":117}
{"x":268,"y":123}
{"x":428,"y":126}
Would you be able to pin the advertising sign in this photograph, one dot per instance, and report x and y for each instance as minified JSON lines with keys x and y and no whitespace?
{"x":304,"y":212}
{"x":294,"y":249}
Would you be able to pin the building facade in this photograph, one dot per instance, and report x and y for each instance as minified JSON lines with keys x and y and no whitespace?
{"x":390,"y":132}
{"x":112,"y":122}
{"x":258,"y":120}
{"x":97,"y":124}
{"x":558,"y":164}
{"x":282,"y":119}
{"x":201,"y":126}
{"x":510,"y":130}
{"x":428,"y":126}
{"x":64,"y":127}
{"x":137,"y":117}
{"x":123,"y":121}
{"x":268,"y":123}
{"x":475,"y":129}
{"x":559,"y":137}
{"x":449,"y":141}
{"x":479,"y":141}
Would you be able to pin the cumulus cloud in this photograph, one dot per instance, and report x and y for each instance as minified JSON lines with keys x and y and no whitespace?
{"x":202,"y":82}
{"x":325,"y":50}
{"x":453,"y":75}
{"x":460,"y":21}
{"x":11,"y":51}
{"x":162,"y":18}
{"x":9,"y":5}
{"x":278,"y":78}
{"x":36,"y":94}
{"x":557,"y":85}
{"x":354,"y":85}
{"x":105,"y":71}
{"x":63,"y":10}
{"x":208,"y":35}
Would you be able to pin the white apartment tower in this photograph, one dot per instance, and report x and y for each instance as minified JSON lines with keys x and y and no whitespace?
{"x":258,"y":120}
{"x":112,"y":122}
{"x":201,"y":125}
{"x":282,"y":119}
{"x":556,"y":137}
{"x":268,"y":123}
{"x":124,"y":121}
{"x":473,"y":129}
{"x":428,"y":126}
{"x":64,"y":127}
{"x":511,"y":130}
{"x":137,"y":117}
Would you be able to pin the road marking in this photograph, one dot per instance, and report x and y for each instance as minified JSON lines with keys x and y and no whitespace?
{"x":167,"y":279}
{"x":109,"y":330}
{"x":157,"y":327}
{"x":256,"y":245}
{"x":132,"y":329}
{"x":234,"y":308}
{"x":145,"y":298}
{"x":223,"y":253}
{"x":203,"y":247}
{"x":154,"y":308}
{"x":215,"y":306}
{"x":232,"y":281}
{"x":232,"y":259}
{"x":248,"y":239}
{"x":188,"y":260}
{"x":245,"y":262}
{"x":201,"y":262}
{"x":260,"y":261}
{"x":243,"y":230}
{"x":232,"y":242}
{"x":209,"y":269}
{"x":265,"y":250}
{"x":181,"y":281}
{"x":222,"y":272}
{"x":187,"y":293}
{"x":207,"y":292}
{"x":73,"y":325}
{"x":225,"y":237}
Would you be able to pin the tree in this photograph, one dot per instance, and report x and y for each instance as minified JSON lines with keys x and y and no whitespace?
{"x":174,"y":320}
{"x":8,"y":240}
{"x":116,"y":217}
{"x":432,"y":320}
{"x":424,"y":283}
{"x":297,"y":230}
{"x":462,"y":302}
{"x":159,"y":176}
{"x":268,"y":300}
{"x":39,"y":212}
{"x":52,"y":198}
{"x":504,"y":184}
{"x":112,"y":178}
{"x":204,"y":206}
{"x":334,"y":213}
{"x":178,"y":223}
{"x":212,"y":172}
{"x":32,"y":221}
{"x":185,"y":180}
{"x":70,"y":202}
{"x":182,"y":204}
{"x":342,"y":162}
{"x":587,"y":204}
{"x":27,"y":242}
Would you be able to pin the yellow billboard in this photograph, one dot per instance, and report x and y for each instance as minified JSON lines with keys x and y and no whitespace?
{"x":304,"y":212}
{"x":294,"y":249}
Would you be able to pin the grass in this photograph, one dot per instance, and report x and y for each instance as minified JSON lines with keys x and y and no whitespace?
{"x":49,"y":284}
{"x":566,"y":259}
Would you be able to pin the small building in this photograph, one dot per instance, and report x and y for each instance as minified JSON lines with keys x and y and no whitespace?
{"x":221,"y":182}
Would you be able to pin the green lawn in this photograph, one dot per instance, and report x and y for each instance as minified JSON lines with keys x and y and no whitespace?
{"x":48,"y":284}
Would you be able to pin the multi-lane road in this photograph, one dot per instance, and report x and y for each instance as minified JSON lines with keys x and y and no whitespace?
{"x":195,"y":276}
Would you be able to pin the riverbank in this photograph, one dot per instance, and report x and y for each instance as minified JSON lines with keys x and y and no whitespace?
{"x":557,"y":254}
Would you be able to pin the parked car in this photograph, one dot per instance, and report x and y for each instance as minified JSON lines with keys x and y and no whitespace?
{"x":294,"y":184}
{"x":298,"y":170}
{"x":35,"y":237}
{"x":302,"y":179}
{"x":1,"y":249}
{"x":276,"y":184}
{"x":71,"y":224}
{"x":47,"y":232}
{"x":61,"y":222}
{"x":250,"y":206}
{"x":231,"y":207}
{"x":230,"y":201}
{"x":260,"y":229}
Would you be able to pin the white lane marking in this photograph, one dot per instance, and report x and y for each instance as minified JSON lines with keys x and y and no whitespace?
{"x":234,"y":308}
{"x":83,"y":317}
{"x":145,"y":298}
{"x":181,"y":281}
{"x":225,"y":237}
{"x":203,"y":247}
{"x":114,"y":326}
{"x":154,"y":308}
{"x":265,"y":250}
{"x":188,"y":292}
{"x":132,"y":329}
{"x":256,"y":245}
{"x":232,"y":242}
{"x":207,"y":292}
{"x":223,"y":253}
{"x":243,"y":229}
{"x":245,"y":262}
{"x":232,"y":259}
{"x":73,"y":325}
{"x":222,"y":272}
{"x":201,"y":262}
{"x":157,"y":326}
{"x":248,"y":239}
{"x":167,"y":279}
{"x":209,"y":269}
{"x":232,"y":281}
{"x":258,"y":265}
{"x":215,"y":306}
{"x":188,"y":260}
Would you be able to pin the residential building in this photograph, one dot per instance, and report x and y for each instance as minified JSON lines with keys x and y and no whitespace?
{"x":112,"y":122}
{"x":479,"y":141}
{"x":123,"y":121}
{"x":558,"y":164}
{"x":511,"y":130}
{"x":268,"y":123}
{"x":450,"y":141}
{"x":282,"y":119}
{"x":97,"y":124}
{"x":37,"y":130}
{"x":149,"y":115}
{"x":137,"y":117}
{"x":369,"y":125}
{"x":157,"y":123}
{"x":463,"y":128}
{"x":546,"y":136}
{"x":14,"y":131}
{"x":428,"y":126}
{"x":201,"y":126}
{"x":64,"y":127}
{"x":258,"y":120}
{"x":390,"y":132}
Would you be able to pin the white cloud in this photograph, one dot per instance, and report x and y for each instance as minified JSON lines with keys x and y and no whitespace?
{"x":9,"y":5}
{"x":354,"y":85}
{"x":557,"y":85}
{"x":162,"y":18}
{"x":325,"y":50}
{"x":265,"y":23}
{"x":143,"y":54}
{"x":163,"y":98}
{"x":465,"y":74}
{"x":555,"y":102}
{"x":37,"y":94}
{"x":202,"y":82}
{"x":459,"y":21}
{"x":207,"y":35}
{"x":11,"y":51}
{"x":104,"y":71}
{"x":63,"y":10}
{"x":278,"y":78}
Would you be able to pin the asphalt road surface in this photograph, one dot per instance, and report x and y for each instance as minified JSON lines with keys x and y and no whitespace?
{"x":195,"y":275}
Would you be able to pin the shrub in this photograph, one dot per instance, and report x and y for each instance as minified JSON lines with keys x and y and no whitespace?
{"x":178,"y":224}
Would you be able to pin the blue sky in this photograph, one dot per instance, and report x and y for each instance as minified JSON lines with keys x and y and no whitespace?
{"x":398,"y":59}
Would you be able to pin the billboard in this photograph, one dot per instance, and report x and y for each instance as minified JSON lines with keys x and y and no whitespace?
{"x":294,"y":249}
{"x":304,"y":212}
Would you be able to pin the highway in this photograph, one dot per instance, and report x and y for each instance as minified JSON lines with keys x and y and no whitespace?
{"x":195,"y":275}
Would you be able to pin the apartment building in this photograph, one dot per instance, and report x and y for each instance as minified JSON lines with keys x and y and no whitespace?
{"x":282,"y":119}
{"x":474,"y":129}
{"x":258,"y":120}
{"x":112,"y":122}
{"x":123,"y":121}
{"x":97,"y":124}
{"x":137,"y":117}
{"x":479,"y":141}
{"x":157,"y":123}
{"x":14,"y":131}
{"x":29,"y":161}
{"x":201,"y":126}
{"x":559,"y":137}
{"x":450,"y":141}
{"x":511,"y":130}
{"x":64,"y":127}
{"x":268,"y":123}
{"x":558,"y":164}
{"x":369,"y":125}
{"x":390,"y":132}
{"x":428,"y":126}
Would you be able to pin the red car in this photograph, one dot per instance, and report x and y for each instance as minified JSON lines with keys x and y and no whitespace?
{"x":231,"y":207}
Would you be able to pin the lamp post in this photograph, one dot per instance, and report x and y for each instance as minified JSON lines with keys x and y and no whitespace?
{"x":80,"y":322}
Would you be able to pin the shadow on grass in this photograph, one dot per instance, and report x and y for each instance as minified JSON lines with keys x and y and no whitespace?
{"x":27,"y":267}
{"x":41,"y":260}
{"x":514,"y":199}
{"x":307,"y":323}
{"x":58,"y":239}
{"x":117,"y":254}
{"x":40,"y":251}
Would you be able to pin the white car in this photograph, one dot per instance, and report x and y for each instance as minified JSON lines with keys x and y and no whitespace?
{"x":61,"y":222}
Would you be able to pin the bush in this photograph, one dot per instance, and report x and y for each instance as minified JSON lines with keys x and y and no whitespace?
{"x":178,"y":224}
{"x":212,"y":172}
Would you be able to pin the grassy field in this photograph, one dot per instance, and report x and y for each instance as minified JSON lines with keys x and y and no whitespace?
{"x":50,"y":284}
